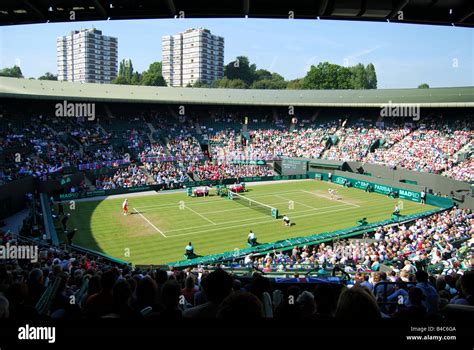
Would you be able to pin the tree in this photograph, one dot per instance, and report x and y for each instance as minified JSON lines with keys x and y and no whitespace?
{"x":294,"y":84}
{"x":14,"y":72}
{"x":200,"y":84}
{"x":268,"y":84}
{"x":226,"y":83}
{"x":262,"y":74}
{"x":332,"y":76}
{"x":423,"y":86}
{"x":371,"y":77}
{"x":359,"y":77}
{"x":241,"y":69}
{"x":136,"y":78}
{"x":120,"y":81}
{"x":327,"y":76}
{"x":125,"y":74}
{"x":153,"y":76}
{"x":272,"y":81}
{"x":48,"y":76}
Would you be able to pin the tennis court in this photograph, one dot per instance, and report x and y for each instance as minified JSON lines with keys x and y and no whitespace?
{"x":161,"y":225}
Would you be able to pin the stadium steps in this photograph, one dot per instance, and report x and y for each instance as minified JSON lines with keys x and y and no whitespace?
{"x":57,"y":134}
{"x":465,"y":148}
{"x":153,"y":131}
{"x":292,"y":127}
{"x":198,"y":128}
{"x":88,"y":183}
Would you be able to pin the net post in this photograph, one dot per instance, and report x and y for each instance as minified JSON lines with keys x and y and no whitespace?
{"x":275,"y":213}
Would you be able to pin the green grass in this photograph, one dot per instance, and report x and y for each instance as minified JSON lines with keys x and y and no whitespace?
{"x":168,"y":221}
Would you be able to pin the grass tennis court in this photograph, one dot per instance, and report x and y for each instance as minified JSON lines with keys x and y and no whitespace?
{"x":160,"y":225}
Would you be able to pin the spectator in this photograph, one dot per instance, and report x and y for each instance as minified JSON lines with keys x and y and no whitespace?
{"x":357,"y":304}
{"x":217,"y":287}
{"x":415,"y":309}
{"x":431,"y":302}
{"x":240,"y":306}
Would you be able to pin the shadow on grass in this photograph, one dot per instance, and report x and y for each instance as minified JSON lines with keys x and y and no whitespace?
{"x":81,"y":220}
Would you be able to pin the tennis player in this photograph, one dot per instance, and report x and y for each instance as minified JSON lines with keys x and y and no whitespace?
{"x":286,"y":221}
{"x":125,"y":207}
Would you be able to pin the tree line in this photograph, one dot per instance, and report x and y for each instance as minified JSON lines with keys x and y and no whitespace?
{"x":241,"y":74}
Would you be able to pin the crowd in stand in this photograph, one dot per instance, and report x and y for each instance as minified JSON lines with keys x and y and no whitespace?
{"x":220,"y":171}
{"x":269,"y":144}
{"x":180,"y":148}
{"x":100,"y":290}
{"x":168,"y":174}
{"x":131,"y":176}
{"x":355,"y":142}
{"x":431,"y":148}
{"x":463,"y":171}
{"x":427,"y":241}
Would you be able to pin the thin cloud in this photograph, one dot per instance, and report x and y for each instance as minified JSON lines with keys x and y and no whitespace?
{"x":352,"y":58}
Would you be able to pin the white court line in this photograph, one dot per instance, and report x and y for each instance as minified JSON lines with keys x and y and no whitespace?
{"x":252,"y":218}
{"x":218,"y":211}
{"x":321,"y":196}
{"x":195,"y":212}
{"x":156,"y":228}
{"x":216,"y":200}
{"x":177,"y":204}
{"x":256,"y":223}
{"x":305,"y":205}
{"x":211,"y":201}
{"x":269,"y":194}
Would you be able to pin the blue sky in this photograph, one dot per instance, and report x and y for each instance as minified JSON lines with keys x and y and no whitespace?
{"x":404,"y":55}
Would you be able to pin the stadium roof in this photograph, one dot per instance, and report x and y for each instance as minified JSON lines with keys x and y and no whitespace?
{"x":441,"y":12}
{"x":58,"y":90}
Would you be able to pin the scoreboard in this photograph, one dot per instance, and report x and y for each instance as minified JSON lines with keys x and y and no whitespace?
{"x":290,"y":166}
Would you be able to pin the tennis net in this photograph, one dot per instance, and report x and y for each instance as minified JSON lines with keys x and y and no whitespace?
{"x":253,"y":204}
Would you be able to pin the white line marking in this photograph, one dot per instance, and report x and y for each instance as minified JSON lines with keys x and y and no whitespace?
{"x":195,"y":212}
{"x":219,"y":211}
{"x":321,"y":196}
{"x":305,"y":205}
{"x":256,"y":223}
{"x":204,"y":202}
{"x":156,"y":228}
{"x":252,"y":218}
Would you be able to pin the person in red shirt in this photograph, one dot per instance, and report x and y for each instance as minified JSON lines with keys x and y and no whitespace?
{"x":125,"y":207}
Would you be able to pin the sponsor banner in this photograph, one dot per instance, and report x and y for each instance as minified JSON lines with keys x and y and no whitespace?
{"x":383,"y":189}
{"x":378,"y":188}
{"x":361,"y":184}
{"x":339,"y":180}
{"x":411,"y":195}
